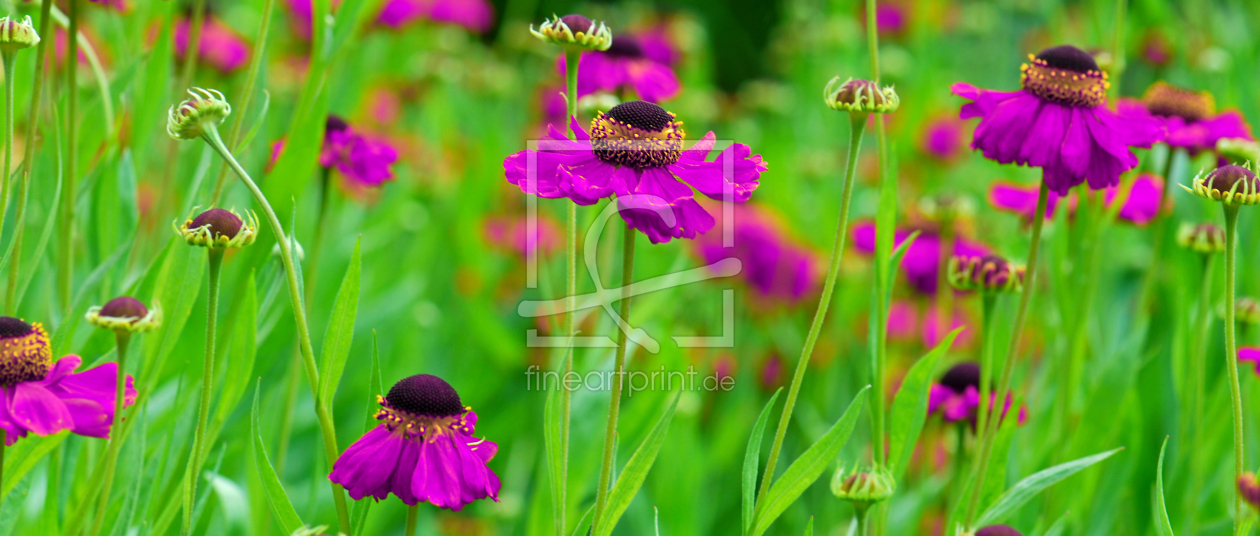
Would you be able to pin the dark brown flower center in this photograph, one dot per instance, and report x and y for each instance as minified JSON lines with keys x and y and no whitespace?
{"x":1171,"y":101}
{"x":1225,"y":178}
{"x":637,"y":134}
{"x":1065,"y":75}
{"x":25,"y":355}
{"x":961,"y":376}
{"x":220,"y":222}
{"x":577,"y":23}
{"x":425,"y":394}
{"x":125,"y":307}
{"x":853,"y":89}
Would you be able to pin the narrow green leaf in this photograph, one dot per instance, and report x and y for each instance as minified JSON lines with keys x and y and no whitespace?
{"x":241,"y":352}
{"x":809,"y":529}
{"x":23,"y":455}
{"x":585,"y":520}
{"x":281,"y":507}
{"x":808,"y":467}
{"x":752,"y":457}
{"x":1162,"y":524}
{"x":552,"y":432}
{"x":636,"y":470}
{"x":258,"y":123}
{"x":358,"y":515}
{"x":909,"y":408}
{"x":1026,"y":489}
{"x":340,"y":331}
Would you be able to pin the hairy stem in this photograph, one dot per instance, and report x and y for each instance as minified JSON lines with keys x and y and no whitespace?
{"x":1231,"y":359}
{"x":571,"y":59}
{"x":207,"y":387}
{"x":9,"y":58}
{"x":619,"y":369}
{"x":115,"y":443}
{"x":247,"y":94}
{"x":65,"y":261}
{"x":857,"y":122}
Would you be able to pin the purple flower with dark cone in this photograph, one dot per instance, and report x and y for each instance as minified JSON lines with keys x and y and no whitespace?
{"x":773,"y":265}
{"x":363,"y":160}
{"x":628,"y":63}
{"x":219,"y":45}
{"x":1189,"y":116}
{"x":474,"y":15}
{"x":635,"y":152}
{"x":44,"y":397}
{"x":422,"y":451}
{"x":957,"y":396}
{"x":1059,"y":122}
{"x":998,"y":530}
{"x":922,"y":261}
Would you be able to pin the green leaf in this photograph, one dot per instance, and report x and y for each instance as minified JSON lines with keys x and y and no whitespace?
{"x":1162,"y":524}
{"x":909,"y":408}
{"x":281,"y":507}
{"x":340,"y":331}
{"x":752,"y":456}
{"x":636,"y":470}
{"x":584,"y":520}
{"x":1029,"y":487}
{"x":808,"y":467}
{"x":241,"y":352}
{"x":358,"y":515}
{"x":809,"y":529}
{"x":258,"y":123}
{"x":552,"y":433}
{"x":23,"y":455}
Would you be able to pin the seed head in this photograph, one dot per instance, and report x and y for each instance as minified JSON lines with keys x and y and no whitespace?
{"x":1205,"y":238}
{"x":860,"y":96}
{"x":1065,"y":75}
{"x":125,"y":314}
{"x":575,"y":31}
{"x":989,"y":273}
{"x":219,"y":228}
{"x":1229,"y":184}
{"x":192,"y":117}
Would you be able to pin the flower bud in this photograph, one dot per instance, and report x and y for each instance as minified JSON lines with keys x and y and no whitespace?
{"x":218,"y":228}
{"x":863,"y":488}
{"x":860,"y":96}
{"x":1238,"y":149}
{"x":946,"y":208}
{"x":125,"y":314}
{"x":574,"y":31}
{"x":1249,"y":489}
{"x":1247,"y":310}
{"x":192,"y":117}
{"x":17,"y":35}
{"x":989,"y":273}
{"x":1230,"y":184}
{"x":1206,"y":238}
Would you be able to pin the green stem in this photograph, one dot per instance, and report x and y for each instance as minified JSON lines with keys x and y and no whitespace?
{"x":988,"y":301}
{"x":1196,"y":392}
{"x":32,"y":116}
{"x":1008,"y":366}
{"x":619,"y":369}
{"x":207,"y":388}
{"x":247,"y":93}
{"x":65,"y":262}
{"x":299,"y":316}
{"x":1231,"y":357}
{"x":1117,"y":46}
{"x":185,"y":80}
{"x":412,"y":513}
{"x":9,"y":58}
{"x":857,"y":122}
{"x":571,"y":59}
{"x":862,"y":526}
{"x":2,"y":440}
{"x":122,"y":337}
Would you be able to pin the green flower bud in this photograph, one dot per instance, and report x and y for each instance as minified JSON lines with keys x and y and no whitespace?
{"x":574,"y":31}
{"x":860,"y":96}
{"x":218,"y":228}
{"x":1238,"y":150}
{"x":17,"y":35}
{"x":863,"y":488}
{"x":190,"y":119}
{"x":125,"y":314}
{"x":989,"y":273}
{"x":1205,"y":238}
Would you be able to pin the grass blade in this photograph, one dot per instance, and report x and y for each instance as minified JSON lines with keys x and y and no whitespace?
{"x":909,"y":408}
{"x":636,"y":470}
{"x":1162,"y":524}
{"x":281,"y":507}
{"x":752,"y":456}
{"x":340,"y":333}
{"x":1026,"y":489}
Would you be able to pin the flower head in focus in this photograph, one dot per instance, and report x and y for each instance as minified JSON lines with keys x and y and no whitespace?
{"x":860,"y":96}
{"x":1059,"y":122}
{"x":219,"y":228}
{"x":44,"y":397}
{"x":863,"y":488}
{"x":1229,"y":184}
{"x":575,"y":31}
{"x":205,"y":109}
{"x":422,"y":451}
{"x":125,"y":314}
{"x":17,"y":34}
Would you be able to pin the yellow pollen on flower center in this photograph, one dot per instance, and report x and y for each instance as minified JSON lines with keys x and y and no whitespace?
{"x":414,"y":426}
{"x":623,"y":144}
{"x":1064,"y":86}
{"x":25,"y":358}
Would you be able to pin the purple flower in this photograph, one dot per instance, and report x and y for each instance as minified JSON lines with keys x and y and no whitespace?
{"x":1189,"y":116}
{"x":922,"y":261}
{"x":1250,"y":354}
{"x":423,"y":450}
{"x":363,"y":160}
{"x":943,"y":138}
{"x":475,"y":15}
{"x":890,"y":18}
{"x":775,"y":266}
{"x":957,"y":396}
{"x":1141,"y":205}
{"x":635,"y":152}
{"x":1058,"y":122}
{"x":512,"y":233}
{"x":628,"y":63}
{"x":42,"y":397}
{"x":998,"y":530}
{"x":219,"y":45}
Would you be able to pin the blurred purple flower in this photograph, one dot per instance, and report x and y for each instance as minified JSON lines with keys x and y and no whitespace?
{"x":475,"y":15}
{"x":363,"y":160}
{"x":1059,"y":122}
{"x":1190,"y":117}
{"x":423,"y":450}
{"x":903,"y":321}
{"x":219,"y":45}
{"x":630,"y":62}
{"x":1141,"y":205}
{"x":943,"y":137}
{"x":923,"y":258}
{"x":1250,"y":354}
{"x":634,"y":151}
{"x":957,"y":396}
{"x":773,"y":264}
{"x":890,"y":18}
{"x":513,"y":233}
{"x":42,"y":397}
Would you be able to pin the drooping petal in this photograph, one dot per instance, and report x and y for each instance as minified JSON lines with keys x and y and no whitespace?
{"x":735,"y":173}
{"x":35,"y":409}
{"x":369,"y":463}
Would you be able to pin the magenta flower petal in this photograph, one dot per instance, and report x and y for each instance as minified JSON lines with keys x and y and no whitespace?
{"x":1250,"y":354}
{"x":368,"y":464}
{"x":82,"y":403}
{"x":37,"y":410}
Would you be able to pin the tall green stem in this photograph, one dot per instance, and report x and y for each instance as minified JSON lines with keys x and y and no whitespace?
{"x":412,"y":513}
{"x":1196,"y":392}
{"x":619,"y":370}
{"x":32,"y":116}
{"x":1231,"y":357}
{"x":65,"y":262}
{"x":207,"y":387}
{"x":122,"y":337}
{"x":1008,"y":366}
{"x":9,"y":57}
{"x":191,"y":55}
{"x":988,"y":301}
{"x":329,"y":433}
{"x":247,"y":94}
{"x":571,"y":60}
{"x":857,"y":122}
